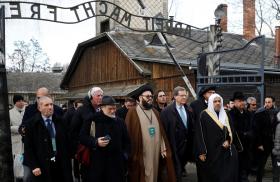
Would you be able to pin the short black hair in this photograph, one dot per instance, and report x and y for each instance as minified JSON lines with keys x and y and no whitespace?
{"x":270,"y":97}
{"x":17,"y":98}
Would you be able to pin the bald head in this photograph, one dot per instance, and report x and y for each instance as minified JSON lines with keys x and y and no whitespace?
{"x":43,"y":91}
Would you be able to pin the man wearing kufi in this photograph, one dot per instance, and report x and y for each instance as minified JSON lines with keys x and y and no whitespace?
{"x":150,"y":151}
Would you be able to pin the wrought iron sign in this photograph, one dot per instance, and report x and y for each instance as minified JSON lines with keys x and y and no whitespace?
{"x":85,"y":11}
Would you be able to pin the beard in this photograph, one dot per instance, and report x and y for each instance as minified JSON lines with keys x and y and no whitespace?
{"x":147,"y":105}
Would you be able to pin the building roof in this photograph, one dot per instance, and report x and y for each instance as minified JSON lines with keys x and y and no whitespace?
{"x":30,"y":82}
{"x":116,"y":91}
{"x":137,"y":48}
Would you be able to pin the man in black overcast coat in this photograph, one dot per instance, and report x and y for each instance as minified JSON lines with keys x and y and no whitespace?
{"x":265,"y":124}
{"x":90,"y":106}
{"x":45,"y":151}
{"x":197,"y":107}
{"x":242,"y":123}
{"x":179,"y":132}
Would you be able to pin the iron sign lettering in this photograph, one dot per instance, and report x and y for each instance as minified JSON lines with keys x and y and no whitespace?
{"x":85,"y":11}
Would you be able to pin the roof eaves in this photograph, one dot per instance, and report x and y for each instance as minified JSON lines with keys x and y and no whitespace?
{"x":165,"y":61}
{"x":142,"y":72}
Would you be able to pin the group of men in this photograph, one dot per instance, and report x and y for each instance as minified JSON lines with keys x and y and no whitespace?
{"x":147,"y":140}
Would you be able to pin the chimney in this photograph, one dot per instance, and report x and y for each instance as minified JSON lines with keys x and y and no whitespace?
{"x":224,"y":19}
{"x":249,"y":23}
{"x":277,"y":46}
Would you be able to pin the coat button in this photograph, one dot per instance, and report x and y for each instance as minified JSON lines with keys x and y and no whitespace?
{"x":45,"y":140}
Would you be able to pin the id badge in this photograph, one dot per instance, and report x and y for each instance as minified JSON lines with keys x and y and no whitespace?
{"x":152,"y":131}
{"x":54,"y":144}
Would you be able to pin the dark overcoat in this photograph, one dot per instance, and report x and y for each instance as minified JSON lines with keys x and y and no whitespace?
{"x":242,"y":125}
{"x":265,"y":122}
{"x":82,"y":114}
{"x":107,"y":164}
{"x":121,"y":112}
{"x":197,"y":107}
{"x":38,"y":149}
{"x":180,"y":137}
{"x":32,"y":110}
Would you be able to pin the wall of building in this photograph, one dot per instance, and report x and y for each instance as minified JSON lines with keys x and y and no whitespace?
{"x":153,"y":7}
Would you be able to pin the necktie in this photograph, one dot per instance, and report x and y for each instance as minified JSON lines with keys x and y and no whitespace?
{"x":50,"y":128}
{"x":182,"y":115}
{"x":51,"y":132}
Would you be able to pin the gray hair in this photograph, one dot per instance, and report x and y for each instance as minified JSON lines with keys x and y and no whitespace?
{"x":93,"y":91}
{"x":177,"y":89}
{"x":251,"y":99}
{"x":43,"y":98}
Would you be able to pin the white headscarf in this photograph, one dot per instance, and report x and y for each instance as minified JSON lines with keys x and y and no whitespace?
{"x":222,"y":114}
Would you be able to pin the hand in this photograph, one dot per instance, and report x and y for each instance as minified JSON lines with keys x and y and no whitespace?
{"x":102,"y":142}
{"x":37,"y":172}
{"x":202,"y":157}
{"x":163,"y":154}
{"x":261,"y":148}
{"x":226,"y":144}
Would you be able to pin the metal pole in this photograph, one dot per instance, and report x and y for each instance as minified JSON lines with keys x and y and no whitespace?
{"x":262,"y":71}
{"x":185,"y":78}
{"x":6,"y":158}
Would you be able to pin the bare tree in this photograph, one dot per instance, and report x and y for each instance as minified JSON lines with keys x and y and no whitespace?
{"x":266,"y":11}
{"x":19,"y":56}
{"x":28,"y":57}
{"x":276,"y":7}
{"x":265,"y":17}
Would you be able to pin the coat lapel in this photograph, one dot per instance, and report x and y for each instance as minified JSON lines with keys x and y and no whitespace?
{"x":177,"y":115}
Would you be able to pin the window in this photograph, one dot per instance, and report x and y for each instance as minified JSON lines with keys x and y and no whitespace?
{"x":105,"y":26}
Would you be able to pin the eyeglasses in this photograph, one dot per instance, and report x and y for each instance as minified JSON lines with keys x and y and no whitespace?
{"x":148,"y":96}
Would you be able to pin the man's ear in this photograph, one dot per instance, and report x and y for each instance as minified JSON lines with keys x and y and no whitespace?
{"x":39,"y":107}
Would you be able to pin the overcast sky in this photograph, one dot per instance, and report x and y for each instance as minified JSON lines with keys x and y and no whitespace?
{"x":59,"y":41}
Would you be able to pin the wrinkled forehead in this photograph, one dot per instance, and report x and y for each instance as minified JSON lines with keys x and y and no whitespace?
{"x":45,"y":100}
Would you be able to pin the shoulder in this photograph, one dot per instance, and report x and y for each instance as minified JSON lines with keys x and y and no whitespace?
{"x":12,"y":110}
{"x":34,"y":120}
{"x":168,"y":108}
{"x":31,"y":108}
{"x":204,"y":113}
{"x":57,"y":109}
{"x":196,"y":103}
{"x":260,"y":110}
